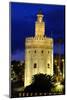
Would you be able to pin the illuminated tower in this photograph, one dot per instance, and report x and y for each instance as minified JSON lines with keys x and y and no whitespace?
{"x":38,"y":52}
{"x":39,"y":26}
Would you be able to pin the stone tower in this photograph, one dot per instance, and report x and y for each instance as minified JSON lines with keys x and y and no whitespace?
{"x":38,"y":52}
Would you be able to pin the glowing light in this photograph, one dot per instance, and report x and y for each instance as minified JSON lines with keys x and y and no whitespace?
{"x":59,"y":87}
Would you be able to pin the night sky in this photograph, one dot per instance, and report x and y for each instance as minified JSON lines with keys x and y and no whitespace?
{"x":22,"y":20}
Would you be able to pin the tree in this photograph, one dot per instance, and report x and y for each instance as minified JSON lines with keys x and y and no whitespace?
{"x":41,"y":83}
{"x":18,"y":68}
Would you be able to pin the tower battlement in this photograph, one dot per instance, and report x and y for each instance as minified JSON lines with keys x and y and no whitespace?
{"x":35,"y":42}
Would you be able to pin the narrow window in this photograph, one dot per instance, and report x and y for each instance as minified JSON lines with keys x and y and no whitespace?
{"x":35,"y":51}
{"x":42,"y":51}
{"x":48,"y":52}
{"x":35,"y":65}
{"x":29,"y":51}
{"x":48,"y":65}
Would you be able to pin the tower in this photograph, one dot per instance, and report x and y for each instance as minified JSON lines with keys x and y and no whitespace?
{"x":38,"y":52}
{"x":39,"y":25}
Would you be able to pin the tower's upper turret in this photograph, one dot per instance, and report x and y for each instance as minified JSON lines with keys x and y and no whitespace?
{"x":39,"y":25}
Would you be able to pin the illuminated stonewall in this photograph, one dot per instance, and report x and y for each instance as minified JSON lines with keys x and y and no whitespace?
{"x":38,"y":52}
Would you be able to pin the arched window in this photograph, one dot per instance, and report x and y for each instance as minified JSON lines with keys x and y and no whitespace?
{"x":35,"y":65}
{"x":29,"y":51}
{"x":48,"y":65}
{"x":48,"y":52}
{"x":35,"y":51}
{"x":42,"y":51}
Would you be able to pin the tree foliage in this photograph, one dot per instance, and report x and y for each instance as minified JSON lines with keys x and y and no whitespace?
{"x":41,"y":83}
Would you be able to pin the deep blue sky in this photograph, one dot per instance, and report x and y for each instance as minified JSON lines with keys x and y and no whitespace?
{"x":23,"y":17}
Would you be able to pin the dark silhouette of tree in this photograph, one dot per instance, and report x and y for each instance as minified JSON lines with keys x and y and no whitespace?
{"x":18,"y":68}
{"x":41,"y":83}
{"x":63,"y":83}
